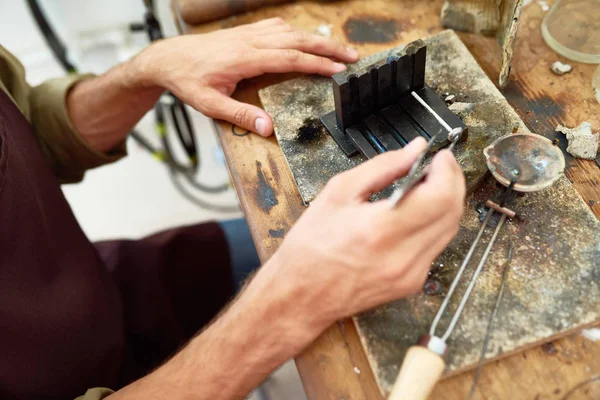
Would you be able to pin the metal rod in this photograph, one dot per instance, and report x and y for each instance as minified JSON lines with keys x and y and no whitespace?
{"x":459,"y":273}
{"x":490,"y":328}
{"x":431,"y":111}
{"x":465,"y":298}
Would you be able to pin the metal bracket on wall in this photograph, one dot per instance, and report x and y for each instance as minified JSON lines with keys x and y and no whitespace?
{"x":377,"y":108}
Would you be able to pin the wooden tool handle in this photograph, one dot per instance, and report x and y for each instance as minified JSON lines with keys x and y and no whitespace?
{"x":201,"y":11}
{"x":418,"y":375}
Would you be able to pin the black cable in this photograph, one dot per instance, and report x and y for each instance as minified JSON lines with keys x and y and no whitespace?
{"x":181,"y":120}
{"x":188,"y":172}
{"x":186,"y":136}
{"x":144,"y":143}
{"x":197,"y":201}
{"x":59,"y":51}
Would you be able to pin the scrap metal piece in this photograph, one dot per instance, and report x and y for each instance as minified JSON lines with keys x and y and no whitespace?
{"x":460,"y":108}
{"x":582,"y":142}
{"x":530,"y":161}
{"x":560,"y":69}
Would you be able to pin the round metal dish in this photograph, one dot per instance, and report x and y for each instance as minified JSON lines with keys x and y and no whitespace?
{"x":531,"y":161}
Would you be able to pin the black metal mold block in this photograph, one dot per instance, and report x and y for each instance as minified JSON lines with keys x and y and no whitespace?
{"x":376,"y":112}
{"x":358,"y":95}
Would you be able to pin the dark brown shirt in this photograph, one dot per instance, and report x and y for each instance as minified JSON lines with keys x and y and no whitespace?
{"x":74,"y":315}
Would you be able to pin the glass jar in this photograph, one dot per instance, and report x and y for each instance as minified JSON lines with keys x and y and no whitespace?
{"x":572,"y":29}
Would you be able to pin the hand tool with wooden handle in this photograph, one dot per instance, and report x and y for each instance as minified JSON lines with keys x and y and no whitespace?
{"x":423,"y":364}
{"x":422,"y":367}
{"x":201,"y":11}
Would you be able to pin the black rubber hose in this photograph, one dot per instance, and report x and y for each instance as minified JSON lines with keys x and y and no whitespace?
{"x":58,"y":49}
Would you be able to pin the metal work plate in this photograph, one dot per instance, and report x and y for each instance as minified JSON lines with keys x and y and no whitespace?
{"x":340,"y":137}
{"x":297,"y":104}
{"x":553,"y":286}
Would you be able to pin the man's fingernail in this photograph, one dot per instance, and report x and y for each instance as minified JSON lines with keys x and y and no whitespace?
{"x":261,"y":126}
{"x":417,"y":140}
{"x":352,"y":52}
{"x":339,"y":67}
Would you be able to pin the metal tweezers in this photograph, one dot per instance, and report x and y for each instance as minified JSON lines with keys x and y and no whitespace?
{"x":416,"y":173}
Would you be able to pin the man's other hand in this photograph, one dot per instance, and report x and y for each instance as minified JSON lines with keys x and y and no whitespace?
{"x":204,"y":70}
{"x":343,"y":256}
{"x":346,"y":254}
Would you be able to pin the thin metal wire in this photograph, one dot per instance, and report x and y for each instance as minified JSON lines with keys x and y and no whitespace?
{"x":465,"y":297}
{"x":460,"y":272}
{"x":431,"y":111}
{"x":488,"y":334}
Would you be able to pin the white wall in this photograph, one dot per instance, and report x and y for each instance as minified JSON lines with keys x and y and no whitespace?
{"x":134,"y":196}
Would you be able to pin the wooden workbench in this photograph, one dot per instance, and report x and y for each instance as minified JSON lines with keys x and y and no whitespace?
{"x":335,"y":367}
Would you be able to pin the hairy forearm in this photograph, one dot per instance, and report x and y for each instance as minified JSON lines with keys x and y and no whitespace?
{"x":104,"y":109}
{"x":261,"y":330}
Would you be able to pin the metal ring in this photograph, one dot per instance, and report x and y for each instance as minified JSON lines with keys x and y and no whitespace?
{"x":454,"y":134}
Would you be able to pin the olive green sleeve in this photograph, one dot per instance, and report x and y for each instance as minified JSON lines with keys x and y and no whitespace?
{"x":66,"y":150}
{"x":96,"y":394}
{"x":45,"y":107}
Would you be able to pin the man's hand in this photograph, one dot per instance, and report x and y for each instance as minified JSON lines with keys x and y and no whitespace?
{"x":203,"y":70}
{"x":343,"y":256}
{"x":346,"y":254}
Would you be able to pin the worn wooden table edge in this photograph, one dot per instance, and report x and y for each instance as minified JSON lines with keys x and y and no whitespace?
{"x":345,"y":330}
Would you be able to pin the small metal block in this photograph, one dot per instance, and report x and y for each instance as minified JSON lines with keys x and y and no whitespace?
{"x":341,"y":99}
{"x":404,"y":74}
{"x":361,"y":143}
{"x":382,"y":133}
{"x":401,"y":122}
{"x":418,"y":52}
{"x":384,"y":86}
{"x":365,"y":93}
